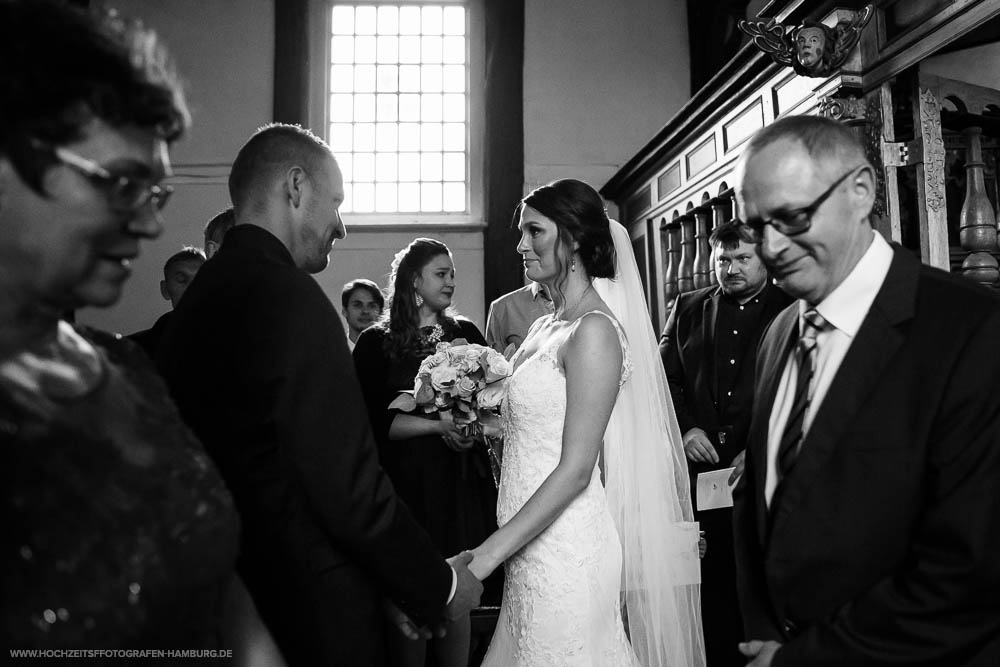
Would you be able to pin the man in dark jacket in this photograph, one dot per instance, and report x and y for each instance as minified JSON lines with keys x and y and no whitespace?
{"x":257,"y":361}
{"x":868,"y":517}
{"x":708,"y":349}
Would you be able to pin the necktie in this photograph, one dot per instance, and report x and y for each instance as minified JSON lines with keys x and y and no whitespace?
{"x":805,"y":360}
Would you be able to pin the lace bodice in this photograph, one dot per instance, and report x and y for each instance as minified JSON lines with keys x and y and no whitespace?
{"x":532,"y":417}
{"x":561,"y":595}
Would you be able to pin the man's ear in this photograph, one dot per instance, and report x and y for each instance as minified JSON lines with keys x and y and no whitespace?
{"x":864,"y":188}
{"x":163,"y":290}
{"x":295,"y":181}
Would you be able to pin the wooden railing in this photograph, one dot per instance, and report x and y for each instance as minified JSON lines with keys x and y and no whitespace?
{"x":685,"y":239}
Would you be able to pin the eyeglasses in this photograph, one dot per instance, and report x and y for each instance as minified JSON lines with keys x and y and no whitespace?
{"x":124,"y":193}
{"x":797,"y":221}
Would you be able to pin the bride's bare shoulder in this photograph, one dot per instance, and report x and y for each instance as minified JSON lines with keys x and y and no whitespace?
{"x":595,"y":333}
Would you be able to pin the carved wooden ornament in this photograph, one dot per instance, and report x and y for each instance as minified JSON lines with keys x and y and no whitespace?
{"x":812,"y":49}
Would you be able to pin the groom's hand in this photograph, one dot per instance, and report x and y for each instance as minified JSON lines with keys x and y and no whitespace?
{"x":760,"y":652}
{"x":467,"y":592}
{"x":406,"y":626}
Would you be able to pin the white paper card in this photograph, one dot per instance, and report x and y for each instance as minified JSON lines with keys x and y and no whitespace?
{"x":714,"y":490}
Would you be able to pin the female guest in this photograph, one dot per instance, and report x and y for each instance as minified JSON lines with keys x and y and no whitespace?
{"x":117,"y":530}
{"x":435,"y":469}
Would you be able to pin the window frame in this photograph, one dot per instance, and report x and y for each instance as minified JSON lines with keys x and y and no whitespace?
{"x":320,"y":16}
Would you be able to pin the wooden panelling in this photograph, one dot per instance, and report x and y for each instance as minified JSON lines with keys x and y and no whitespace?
{"x":702,"y":157}
{"x":637,"y":204}
{"x":740,"y":128}
{"x":789,"y":93}
{"x":668,"y":181}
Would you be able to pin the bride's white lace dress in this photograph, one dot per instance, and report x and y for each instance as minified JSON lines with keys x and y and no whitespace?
{"x":561,"y":593}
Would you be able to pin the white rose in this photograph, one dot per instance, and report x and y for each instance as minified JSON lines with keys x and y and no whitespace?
{"x":496,"y":366}
{"x":466,"y":387}
{"x":443,"y":377}
{"x":432,"y":361}
{"x":490,"y":396}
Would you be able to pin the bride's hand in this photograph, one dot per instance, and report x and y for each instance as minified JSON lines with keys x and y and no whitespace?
{"x":482,"y":565}
{"x":489,"y":423}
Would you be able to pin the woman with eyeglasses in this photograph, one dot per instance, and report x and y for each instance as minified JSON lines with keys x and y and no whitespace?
{"x":117,"y":532}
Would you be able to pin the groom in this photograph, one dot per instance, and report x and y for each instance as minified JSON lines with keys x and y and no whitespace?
{"x":867,"y":519}
{"x":257,"y":361}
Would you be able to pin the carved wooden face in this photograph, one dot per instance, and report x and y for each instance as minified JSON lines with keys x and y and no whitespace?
{"x":809,"y":44}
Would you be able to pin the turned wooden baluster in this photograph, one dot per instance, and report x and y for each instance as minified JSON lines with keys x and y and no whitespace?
{"x":673,"y":259}
{"x":722,"y":211}
{"x":977,"y":230}
{"x":685,"y":267}
{"x":722,"y":208}
{"x":702,"y":252}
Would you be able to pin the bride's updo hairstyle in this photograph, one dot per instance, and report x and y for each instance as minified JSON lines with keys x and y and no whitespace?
{"x":579,"y":214}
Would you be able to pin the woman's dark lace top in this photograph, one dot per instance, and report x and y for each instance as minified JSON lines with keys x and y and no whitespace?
{"x":116,"y":531}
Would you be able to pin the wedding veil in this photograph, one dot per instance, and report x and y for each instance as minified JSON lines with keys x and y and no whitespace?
{"x":648,"y":490}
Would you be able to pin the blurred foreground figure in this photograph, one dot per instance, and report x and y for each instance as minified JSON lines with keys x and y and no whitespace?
{"x":868,"y":516}
{"x":117,"y":531}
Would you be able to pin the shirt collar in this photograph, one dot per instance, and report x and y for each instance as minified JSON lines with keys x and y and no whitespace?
{"x":847,"y":306}
{"x":536,"y":289}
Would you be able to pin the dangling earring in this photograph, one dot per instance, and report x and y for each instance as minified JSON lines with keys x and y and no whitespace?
{"x":572,"y":265}
{"x":419,"y":300}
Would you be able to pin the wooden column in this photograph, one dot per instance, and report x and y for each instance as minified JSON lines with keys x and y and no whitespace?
{"x":702,"y":252}
{"x":977,"y":223}
{"x":931,"y":204}
{"x":722,"y":208}
{"x":672,"y":245}
{"x":685,"y":267}
{"x":722,"y":212}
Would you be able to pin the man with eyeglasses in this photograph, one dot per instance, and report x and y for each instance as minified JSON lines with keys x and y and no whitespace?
{"x":867,"y":520}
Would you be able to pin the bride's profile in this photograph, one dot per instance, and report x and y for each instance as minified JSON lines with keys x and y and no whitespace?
{"x":594,"y":507}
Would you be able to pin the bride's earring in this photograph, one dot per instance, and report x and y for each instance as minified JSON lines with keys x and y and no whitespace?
{"x":419,"y":300}
{"x":572,"y":265}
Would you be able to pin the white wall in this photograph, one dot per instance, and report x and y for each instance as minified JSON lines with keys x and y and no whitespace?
{"x":600,"y":78}
{"x":224,"y":50}
{"x":979,"y":65}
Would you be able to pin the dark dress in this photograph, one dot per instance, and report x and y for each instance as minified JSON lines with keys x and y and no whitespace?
{"x":117,"y":531}
{"x":450,"y":493}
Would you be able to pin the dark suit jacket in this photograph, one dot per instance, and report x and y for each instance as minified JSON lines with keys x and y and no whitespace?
{"x":884,"y":548}
{"x":687,"y":347}
{"x":149,"y":339}
{"x":258,"y":363}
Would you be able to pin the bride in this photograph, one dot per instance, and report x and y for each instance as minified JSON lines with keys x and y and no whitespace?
{"x":594,"y":508}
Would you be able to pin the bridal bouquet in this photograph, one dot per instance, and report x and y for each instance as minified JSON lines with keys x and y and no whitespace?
{"x":463,"y":381}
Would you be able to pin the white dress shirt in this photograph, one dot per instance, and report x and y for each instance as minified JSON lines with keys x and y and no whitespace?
{"x":844,"y":309}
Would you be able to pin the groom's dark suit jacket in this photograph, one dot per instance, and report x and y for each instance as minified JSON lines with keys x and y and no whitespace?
{"x":885,"y":547}
{"x":258,"y":363}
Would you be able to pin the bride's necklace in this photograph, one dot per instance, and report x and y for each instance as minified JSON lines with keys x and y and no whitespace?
{"x":579,"y":300}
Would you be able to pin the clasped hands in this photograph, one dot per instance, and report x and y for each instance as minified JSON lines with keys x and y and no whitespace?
{"x":468,"y":592}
